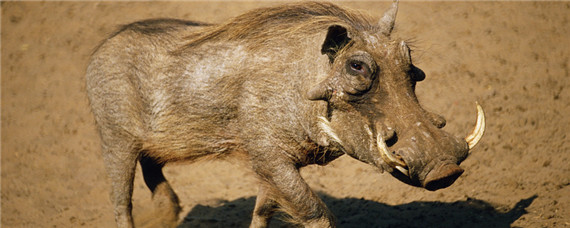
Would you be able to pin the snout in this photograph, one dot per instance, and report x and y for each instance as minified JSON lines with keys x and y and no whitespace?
{"x":432,"y":161}
{"x":421,"y":168}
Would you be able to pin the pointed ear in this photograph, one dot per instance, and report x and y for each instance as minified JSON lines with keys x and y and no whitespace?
{"x":337,"y":38}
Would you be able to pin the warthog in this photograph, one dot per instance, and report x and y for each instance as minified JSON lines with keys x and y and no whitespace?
{"x":282,"y":87}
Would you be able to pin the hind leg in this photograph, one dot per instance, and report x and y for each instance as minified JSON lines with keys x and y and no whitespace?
{"x":120,"y":162}
{"x":165,"y":201}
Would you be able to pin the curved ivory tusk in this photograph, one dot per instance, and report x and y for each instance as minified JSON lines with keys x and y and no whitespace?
{"x":390,"y":159}
{"x":403,"y":170}
{"x":324,"y":124}
{"x":473,"y":138}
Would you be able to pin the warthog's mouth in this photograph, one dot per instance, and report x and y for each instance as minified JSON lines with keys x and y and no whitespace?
{"x":439,"y":177}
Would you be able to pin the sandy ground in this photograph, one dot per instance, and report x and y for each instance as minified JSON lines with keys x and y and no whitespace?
{"x":512,"y":57}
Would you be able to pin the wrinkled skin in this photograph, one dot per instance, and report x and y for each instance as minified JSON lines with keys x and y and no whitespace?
{"x":390,"y":108}
{"x":374,"y":91}
{"x":315,"y":83}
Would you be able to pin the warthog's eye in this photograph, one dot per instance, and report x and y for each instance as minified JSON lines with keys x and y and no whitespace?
{"x":358,"y":68}
{"x":359,"y":76}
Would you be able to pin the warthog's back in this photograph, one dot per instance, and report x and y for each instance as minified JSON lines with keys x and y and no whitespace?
{"x":187,"y":91}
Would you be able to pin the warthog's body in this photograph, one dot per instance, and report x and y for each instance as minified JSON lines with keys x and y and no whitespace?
{"x":284,"y":87}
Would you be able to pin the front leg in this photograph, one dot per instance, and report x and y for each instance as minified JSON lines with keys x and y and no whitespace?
{"x":284,"y":186}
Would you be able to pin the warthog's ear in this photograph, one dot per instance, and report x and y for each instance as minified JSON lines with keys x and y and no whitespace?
{"x":337,"y":38}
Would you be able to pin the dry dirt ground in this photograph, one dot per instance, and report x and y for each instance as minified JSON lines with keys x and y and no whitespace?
{"x":513,"y":57}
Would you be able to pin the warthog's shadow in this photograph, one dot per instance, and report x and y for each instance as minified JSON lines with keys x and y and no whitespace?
{"x":352,"y":212}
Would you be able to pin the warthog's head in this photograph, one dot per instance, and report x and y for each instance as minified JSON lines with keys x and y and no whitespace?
{"x":374,"y":114}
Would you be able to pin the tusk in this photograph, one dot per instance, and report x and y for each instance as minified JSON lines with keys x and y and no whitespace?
{"x":388,"y":157}
{"x":403,"y":170}
{"x":324,"y":124}
{"x":473,"y":138}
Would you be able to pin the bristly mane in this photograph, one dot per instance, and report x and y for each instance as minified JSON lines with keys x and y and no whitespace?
{"x":265,"y":23}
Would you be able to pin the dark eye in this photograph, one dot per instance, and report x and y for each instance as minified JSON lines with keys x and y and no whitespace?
{"x":359,"y":74}
{"x":357,"y":67}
